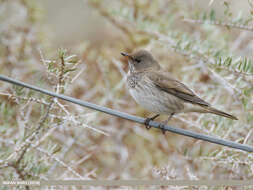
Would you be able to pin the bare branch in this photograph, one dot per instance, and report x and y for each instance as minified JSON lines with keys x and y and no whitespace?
{"x":61,"y":163}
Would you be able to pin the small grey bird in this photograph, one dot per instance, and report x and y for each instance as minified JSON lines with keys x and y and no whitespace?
{"x":155,"y":90}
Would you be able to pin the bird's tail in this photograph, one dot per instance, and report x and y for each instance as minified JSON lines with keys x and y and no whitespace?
{"x":221,"y":113}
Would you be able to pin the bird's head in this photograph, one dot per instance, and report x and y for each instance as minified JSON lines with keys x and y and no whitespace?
{"x":141,"y":60}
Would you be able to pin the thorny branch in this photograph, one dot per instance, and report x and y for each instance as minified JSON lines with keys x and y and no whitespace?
{"x":220,"y":23}
{"x":19,"y":172}
{"x":157,"y":36}
{"x":31,"y":137}
{"x":133,"y":118}
{"x":51,"y":156}
{"x":31,"y":99}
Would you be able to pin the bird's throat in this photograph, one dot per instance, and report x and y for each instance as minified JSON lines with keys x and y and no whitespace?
{"x":131,"y":67}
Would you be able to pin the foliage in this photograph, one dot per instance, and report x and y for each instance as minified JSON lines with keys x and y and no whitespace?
{"x":43,"y":138}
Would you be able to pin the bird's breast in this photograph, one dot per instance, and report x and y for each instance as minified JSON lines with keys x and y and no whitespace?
{"x":150,"y":97}
{"x":132,"y":80}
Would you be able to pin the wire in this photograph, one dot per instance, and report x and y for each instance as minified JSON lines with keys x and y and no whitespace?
{"x":126,"y":116}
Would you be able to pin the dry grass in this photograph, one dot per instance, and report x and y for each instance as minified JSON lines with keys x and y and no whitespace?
{"x":44,"y":138}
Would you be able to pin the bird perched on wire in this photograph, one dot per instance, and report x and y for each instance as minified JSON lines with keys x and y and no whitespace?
{"x":155,"y":89}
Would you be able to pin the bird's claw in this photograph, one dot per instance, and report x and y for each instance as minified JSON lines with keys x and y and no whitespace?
{"x":147,"y":120}
{"x":146,"y":123}
{"x":161,"y":126}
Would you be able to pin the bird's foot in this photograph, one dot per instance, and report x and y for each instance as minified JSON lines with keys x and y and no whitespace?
{"x":161,"y":126}
{"x":163,"y":123}
{"x":147,"y":120}
{"x":146,"y":123}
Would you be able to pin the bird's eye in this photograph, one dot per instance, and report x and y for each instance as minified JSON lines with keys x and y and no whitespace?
{"x":138,"y":60}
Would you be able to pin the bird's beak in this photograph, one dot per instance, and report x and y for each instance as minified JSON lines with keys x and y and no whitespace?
{"x":126,"y":55}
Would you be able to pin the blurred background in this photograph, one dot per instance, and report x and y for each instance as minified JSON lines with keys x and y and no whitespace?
{"x":73,"y":48}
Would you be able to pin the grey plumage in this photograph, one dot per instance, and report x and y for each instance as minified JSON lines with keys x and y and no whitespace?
{"x":158,"y":92}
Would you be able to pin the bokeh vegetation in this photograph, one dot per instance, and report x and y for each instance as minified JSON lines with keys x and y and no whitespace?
{"x":208,"y":47}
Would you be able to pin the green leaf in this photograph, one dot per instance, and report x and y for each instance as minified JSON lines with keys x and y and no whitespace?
{"x":228,"y":61}
{"x":69,"y":70}
{"x":204,"y":16}
{"x":62,"y":52}
{"x":212,"y":15}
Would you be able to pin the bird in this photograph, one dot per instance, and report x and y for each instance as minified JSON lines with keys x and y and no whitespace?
{"x":157,"y":91}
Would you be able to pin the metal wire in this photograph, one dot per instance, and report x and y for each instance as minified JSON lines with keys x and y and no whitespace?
{"x":126,"y":116}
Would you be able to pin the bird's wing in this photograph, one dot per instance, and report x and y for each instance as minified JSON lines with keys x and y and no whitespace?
{"x":174,"y":87}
